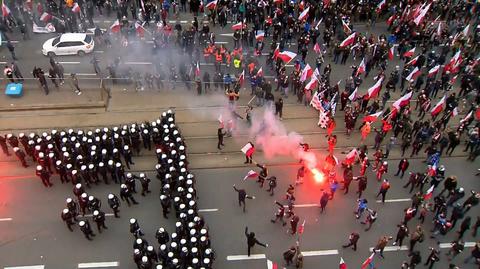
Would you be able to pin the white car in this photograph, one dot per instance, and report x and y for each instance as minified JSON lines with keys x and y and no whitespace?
{"x":68,"y":44}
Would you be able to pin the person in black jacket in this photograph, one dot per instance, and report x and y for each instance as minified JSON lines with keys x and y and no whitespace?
{"x":242,"y":195}
{"x":251,"y":240}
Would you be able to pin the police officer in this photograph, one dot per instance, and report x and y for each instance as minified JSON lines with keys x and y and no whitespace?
{"x":145,"y":181}
{"x":61,"y":170}
{"x":166,"y":204}
{"x":83,"y":202}
{"x":78,"y":190}
{"x":127,"y":155}
{"x":162,"y":236}
{"x":86,"y":229}
{"x":21,"y":156}
{"x":93,"y":203}
{"x":72,"y":207}
{"x":44,"y":176}
{"x":135,"y":228}
{"x":130,"y":182}
{"x":102,"y":169}
{"x":68,"y":219}
{"x":126,"y":195}
{"x":99,"y":218}
{"x":114,"y":204}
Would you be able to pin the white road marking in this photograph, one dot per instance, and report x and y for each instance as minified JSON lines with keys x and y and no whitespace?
{"x":69,"y":62}
{"x":3,"y":62}
{"x":221,"y":42}
{"x":395,"y":200}
{"x":393,"y":248}
{"x":449,"y":245}
{"x":12,"y":41}
{"x":208,"y":210}
{"x":98,"y":264}
{"x":27,"y":267}
{"x":82,"y":74}
{"x":289,"y":65}
{"x":320,"y":252}
{"x":138,"y":63}
{"x":6,"y":219}
{"x":246,"y":257}
{"x":206,"y":63}
{"x":305,"y":205}
{"x":98,"y":51}
{"x":228,"y":34}
{"x":106,"y":215}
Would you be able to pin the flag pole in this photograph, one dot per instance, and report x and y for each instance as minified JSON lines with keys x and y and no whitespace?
{"x":251,"y":99}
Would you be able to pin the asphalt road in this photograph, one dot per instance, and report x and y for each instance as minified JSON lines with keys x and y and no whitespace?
{"x":32,"y":233}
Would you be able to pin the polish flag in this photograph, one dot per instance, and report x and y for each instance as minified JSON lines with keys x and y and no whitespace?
{"x":316,"y":103}
{"x":350,"y":158}
{"x":403,"y":101}
{"x":139,"y":29}
{"x":455,"y":112}
{"x":115,"y":28}
{"x":453,"y":80}
{"x":250,"y":174}
{"x":304,"y":14}
{"x":276,"y":52}
{"x":432,"y":72}
{"x":286,"y":56}
{"x":271,"y":265}
{"x":260,"y":35}
{"x":312,"y":84}
{"x":414,"y":74}
{"x":5,"y":10}
{"x":346,"y":29}
{"x":372,"y":117}
{"x":45,"y":17}
{"x":248,"y":149}
{"x":197,"y":71}
{"x":238,"y":26}
{"x":317,"y":49}
{"x":381,"y":6}
{"x":342,"y":265}
{"x":409,"y":53}
{"x":353,"y":95}
{"x":361,"y":68}
{"x":301,"y":229}
{"x":348,"y":41}
{"x":316,"y":73}
{"x":467,"y":117}
{"x":428,"y":195}
{"x":422,"y":14}
{"x":438,"y":107}
{"x":375,"y":89}
{"x":326,"y":3}
{"x":241,"y":78}
{"x":220,"y":120}
{"x":454,"y":63}
{"x":307,"y":73}
{"x":391,"y":19}
{"x":391,"y":53}
{"x":76,"y":8}
{"x":260,"y":72}
{"x":277,"y":1}
{"x":367,"y":262}
{"x":412,"y":61}
{"x":212,"y":5}
{"x":465,"y":31}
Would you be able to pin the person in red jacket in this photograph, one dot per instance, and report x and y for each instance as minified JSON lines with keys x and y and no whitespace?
{"x":402,"y":167}
{"x":384,"y":189}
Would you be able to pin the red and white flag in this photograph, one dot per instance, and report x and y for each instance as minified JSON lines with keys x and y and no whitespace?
{"x":260,"y":72}
{"x":271,"y":265}
{"x":367,"y":262}
{"x":432,"y":72}
{"x":453,"y":80}
{"x":391,"y":53}
{"x":260,"y":35}
{"x":307,"y":73}
{"x":326,"y":3}
{"x":342,"y":264}
{"x":346,"y":28}
{"x":428,"y":195}
{"x":353,"y":95}
{"x":115,"y":28}
{"x":465,"y":30}
{"x":317,"y":48}
{"x":454,"y":63}
{"x":414,"y":74}
{"x":241,"y":78}
{"x":238,"y":26}
{"x":212,"y":5}
{"x":372,"y":117}
{"x":5,"y":10}
{"x":250,"y":174}
{"x":301,"y":229}
{"x":467,"y":117}
{"x":220,"y":120}
{"x":248,"y":149}
{"x":375,"y":89}
{"x":197,"y":71}
{"x":312,"y":84}
{"x":304,"y":14}
{"x":361,"y":68}
{"x":277,"y":1}
{"x":418,"y":19}
{"x":412,"y":61}
{"x":316,"y":103}
{"x":139,"y":29}
{"x":350,"y":158}
{"x":438,"y":107}
{"x":286,"y":56}
{"x":403,"y":101}
{"x":391,"y":19}
{"x":45,"y":17}
{"x":455,"y":112}
{"x":409,"y":53}
{"x":381,"y":6}
{"x":76,"y":8}
{"x":348,"y":41}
